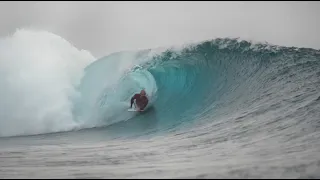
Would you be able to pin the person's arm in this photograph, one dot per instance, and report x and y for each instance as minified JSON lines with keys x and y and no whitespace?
{"x":132,"y":99}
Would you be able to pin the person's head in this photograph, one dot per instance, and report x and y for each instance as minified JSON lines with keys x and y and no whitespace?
{"x":143,"y":92}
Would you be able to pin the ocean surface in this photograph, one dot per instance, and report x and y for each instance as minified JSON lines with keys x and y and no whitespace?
{"x":222,"y":108}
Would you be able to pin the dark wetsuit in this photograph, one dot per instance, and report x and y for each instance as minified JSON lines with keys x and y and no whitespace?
{"x":141,"y":101}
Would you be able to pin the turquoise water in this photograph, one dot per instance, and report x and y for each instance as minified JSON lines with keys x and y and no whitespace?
{"x":197,"y":83}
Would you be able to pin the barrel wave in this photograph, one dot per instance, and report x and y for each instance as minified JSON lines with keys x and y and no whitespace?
{"x":225,"y":108}
{"x":208,"y":82}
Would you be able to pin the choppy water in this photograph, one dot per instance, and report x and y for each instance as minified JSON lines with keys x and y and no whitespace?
{"x":219,"y":109}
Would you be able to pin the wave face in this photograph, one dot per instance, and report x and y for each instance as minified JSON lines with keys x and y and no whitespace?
{"x":219,"y":80}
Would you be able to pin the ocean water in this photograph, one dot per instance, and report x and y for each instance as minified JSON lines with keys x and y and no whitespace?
{"x":222,"y":108}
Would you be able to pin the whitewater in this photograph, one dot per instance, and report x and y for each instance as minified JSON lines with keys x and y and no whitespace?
{"x":221,"y":108}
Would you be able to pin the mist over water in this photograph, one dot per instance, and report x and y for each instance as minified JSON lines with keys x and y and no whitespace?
{"x":37,"y":81}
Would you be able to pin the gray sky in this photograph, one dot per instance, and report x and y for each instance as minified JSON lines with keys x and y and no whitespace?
{"x":105,"y":27}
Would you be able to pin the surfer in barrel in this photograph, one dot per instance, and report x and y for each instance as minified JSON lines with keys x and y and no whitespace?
{"x":141,"y":100}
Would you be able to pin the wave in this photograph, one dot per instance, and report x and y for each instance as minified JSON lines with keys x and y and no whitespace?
{"x":50,"y":86}
{"x":202,"y":82}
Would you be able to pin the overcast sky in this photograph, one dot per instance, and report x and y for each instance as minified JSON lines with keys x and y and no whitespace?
{"x":105,"y":27}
